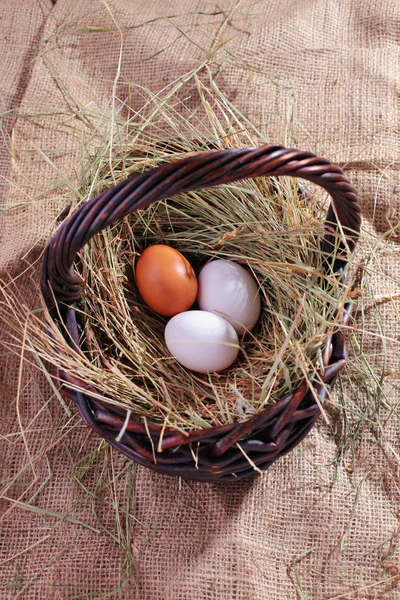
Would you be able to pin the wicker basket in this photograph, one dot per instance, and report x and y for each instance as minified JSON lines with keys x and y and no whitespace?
{"x":275,"y":430}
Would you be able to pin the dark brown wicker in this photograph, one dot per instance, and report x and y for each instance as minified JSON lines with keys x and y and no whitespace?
{"x":274,"y":431}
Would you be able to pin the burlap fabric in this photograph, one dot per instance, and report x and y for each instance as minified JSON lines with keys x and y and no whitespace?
{"x":323,"y":522}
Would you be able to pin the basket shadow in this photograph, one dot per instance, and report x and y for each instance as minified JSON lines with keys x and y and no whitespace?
{"x":199,"y":511}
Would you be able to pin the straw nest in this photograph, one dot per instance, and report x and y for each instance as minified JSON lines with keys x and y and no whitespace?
{"x":271,"y":227}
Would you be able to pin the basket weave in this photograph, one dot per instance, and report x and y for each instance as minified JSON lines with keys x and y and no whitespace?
{"x":229,"y":452}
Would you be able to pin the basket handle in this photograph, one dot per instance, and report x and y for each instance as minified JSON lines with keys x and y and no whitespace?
{"x":59,"y":281}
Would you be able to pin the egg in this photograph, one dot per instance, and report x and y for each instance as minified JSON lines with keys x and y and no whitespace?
{"x":166,"y":280}
{"x":202,"y":341}
{"x":226,"y":288}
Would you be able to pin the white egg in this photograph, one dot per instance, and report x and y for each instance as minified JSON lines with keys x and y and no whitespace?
{"x":201,"y":341}
{"x":227,"y":289}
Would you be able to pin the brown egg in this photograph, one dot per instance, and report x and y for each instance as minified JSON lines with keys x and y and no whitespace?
{"x":166,"y":280}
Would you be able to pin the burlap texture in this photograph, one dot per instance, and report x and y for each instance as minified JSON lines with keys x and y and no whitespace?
{"x":318,"y":525}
